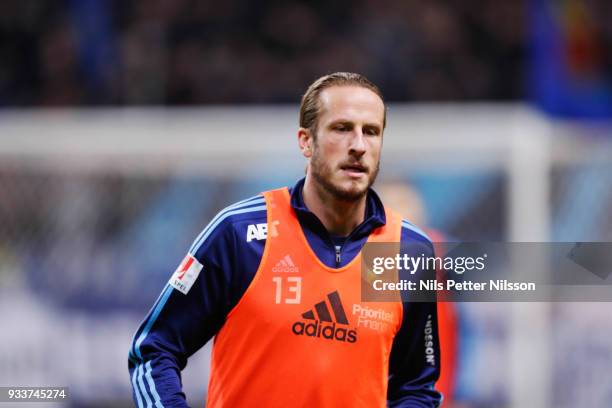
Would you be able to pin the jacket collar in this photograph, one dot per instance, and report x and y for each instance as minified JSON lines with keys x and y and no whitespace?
{"x":375,"y":211}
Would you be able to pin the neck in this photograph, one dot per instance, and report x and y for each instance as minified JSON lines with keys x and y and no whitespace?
{"x":339,"y":217}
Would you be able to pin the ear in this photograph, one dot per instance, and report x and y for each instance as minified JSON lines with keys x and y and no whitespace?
{"x":305,"y":141}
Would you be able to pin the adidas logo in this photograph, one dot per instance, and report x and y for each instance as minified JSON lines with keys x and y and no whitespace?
{"x":285,"y":265}
{"x":323,"y":325}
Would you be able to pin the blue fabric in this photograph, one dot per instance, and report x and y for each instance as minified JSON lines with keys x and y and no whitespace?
{"x":569,"y":74}
{"x":179,"y":325}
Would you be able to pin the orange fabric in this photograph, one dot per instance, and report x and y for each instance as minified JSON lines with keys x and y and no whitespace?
{"x":300,"y":335}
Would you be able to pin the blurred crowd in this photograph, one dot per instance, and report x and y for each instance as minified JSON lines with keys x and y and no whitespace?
{"x":182,"y":52}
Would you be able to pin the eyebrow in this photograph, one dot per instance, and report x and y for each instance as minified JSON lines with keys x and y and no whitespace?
{"x":348,"y":121}
{"x":374,"y":126}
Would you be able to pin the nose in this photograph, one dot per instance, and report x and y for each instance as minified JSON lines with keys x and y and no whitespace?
{"x":358,"y":144}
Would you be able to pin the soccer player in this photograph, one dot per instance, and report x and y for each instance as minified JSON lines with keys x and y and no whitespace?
{"x":276,"y":279}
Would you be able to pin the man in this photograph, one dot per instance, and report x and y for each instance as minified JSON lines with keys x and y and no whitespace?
{"x":276,"y":279}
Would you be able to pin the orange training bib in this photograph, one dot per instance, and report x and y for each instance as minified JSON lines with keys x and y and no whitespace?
{"x":300,"y":335}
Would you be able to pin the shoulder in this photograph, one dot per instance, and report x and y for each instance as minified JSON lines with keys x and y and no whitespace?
{"x":415,"y":236}
{"x":241,"y":218}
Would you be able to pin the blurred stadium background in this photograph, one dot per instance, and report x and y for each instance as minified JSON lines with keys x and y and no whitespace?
{"x":126,"y":125}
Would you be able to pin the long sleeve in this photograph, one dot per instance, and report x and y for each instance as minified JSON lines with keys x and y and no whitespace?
{"x":194,"y":304}
{"x":415,"y":359}
{"x":176,"y":327}
{"x":414,"y":365}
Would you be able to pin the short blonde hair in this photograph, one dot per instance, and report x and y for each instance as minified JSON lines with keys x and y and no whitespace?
{"x":310,"y":108}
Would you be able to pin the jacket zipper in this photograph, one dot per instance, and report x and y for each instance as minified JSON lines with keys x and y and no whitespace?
{"x":338,"y":257}
{"x":338,"y":249}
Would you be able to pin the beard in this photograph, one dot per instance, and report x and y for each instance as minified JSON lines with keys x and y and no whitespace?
{"x":322,"y":173}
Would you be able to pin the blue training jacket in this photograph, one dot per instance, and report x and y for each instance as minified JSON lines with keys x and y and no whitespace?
{"x":178,"y":325}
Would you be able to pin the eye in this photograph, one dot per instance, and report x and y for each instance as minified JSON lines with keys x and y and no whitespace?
{"x":371,"y":131}
{"x":341,"y":127}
